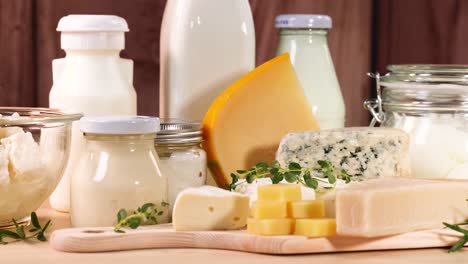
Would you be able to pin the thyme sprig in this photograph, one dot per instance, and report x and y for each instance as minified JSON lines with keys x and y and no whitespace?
{"x":146,"y":214}
{"x":37,"y":231}
{"x":323,"y":173}
{"x":458,"y":228}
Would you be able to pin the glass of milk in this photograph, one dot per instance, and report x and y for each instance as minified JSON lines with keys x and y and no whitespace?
{"x":305,"y":38}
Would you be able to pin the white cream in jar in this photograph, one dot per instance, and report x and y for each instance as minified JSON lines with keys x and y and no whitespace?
{"x":430,"y":103}
{"x":182,"y":159}
{"x":118,"y":169}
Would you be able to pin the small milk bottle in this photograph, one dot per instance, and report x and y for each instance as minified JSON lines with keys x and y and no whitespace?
{"x":206,"y":45}
{"x":305,"y":38}
{"x":92,"y":79}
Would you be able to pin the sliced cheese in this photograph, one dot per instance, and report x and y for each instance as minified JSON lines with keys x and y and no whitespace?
{"x":269,"y":209}
{"x":279,"y":192}
{"x":210,"y":208}
{"x":322,"y":227}
{"x":306,"y":209}
{"x":245,"y":124}
{"x":270,"y":227}
{"x":389,"y":206}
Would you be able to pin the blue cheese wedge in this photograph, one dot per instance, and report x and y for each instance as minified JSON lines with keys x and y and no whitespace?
{"x":361,"y":151}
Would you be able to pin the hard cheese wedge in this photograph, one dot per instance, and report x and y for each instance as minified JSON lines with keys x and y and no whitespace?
{"x":210,"y":208}
{"x":397,"y":205}
{"x":245,"y":124}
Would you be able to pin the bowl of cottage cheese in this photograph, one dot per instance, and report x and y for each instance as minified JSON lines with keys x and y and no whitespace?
{"x":34,"y":147}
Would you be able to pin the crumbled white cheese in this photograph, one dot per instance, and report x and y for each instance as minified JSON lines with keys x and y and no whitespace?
{"x":24,"y":156}
{"x":4,"y":174}
{"x":9,"y":131}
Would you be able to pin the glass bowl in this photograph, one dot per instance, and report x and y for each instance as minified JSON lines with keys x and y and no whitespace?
{"x":34,"y":148}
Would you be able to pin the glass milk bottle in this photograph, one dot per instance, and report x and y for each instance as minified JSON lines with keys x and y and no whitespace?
{"x":305,"y":38}
{"x":206,"y":45}
{"x":118,"y":169}
{"x":91,"y":79}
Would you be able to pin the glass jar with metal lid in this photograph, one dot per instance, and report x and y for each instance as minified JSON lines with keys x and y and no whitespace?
{"x":430,"y":103}
{"x":182,"y":159}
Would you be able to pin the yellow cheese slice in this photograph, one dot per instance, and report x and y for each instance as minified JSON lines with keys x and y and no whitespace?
{"x":270,"y":227}
{"x":269,"y":209}
{"x":306,"y":209}
{"x":319,"y":227}
{"x":279,"y":192}
{"x":245,"y":124}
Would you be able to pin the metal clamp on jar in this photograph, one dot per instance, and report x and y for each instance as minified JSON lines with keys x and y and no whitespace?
{"x":182,"y":159}
{"x":430,"y":102}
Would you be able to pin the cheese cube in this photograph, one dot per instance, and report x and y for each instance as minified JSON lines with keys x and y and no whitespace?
{"x":321,"y":227}
{"x":279,"y":192}
{"x":210,"y":208}
{"x":390,"y":206}
{"x":24,"y":156}
{"x":306,"y":209}
{"x":270,"y":227}
{"x":4,"y":174}
{"x":269,"y":209}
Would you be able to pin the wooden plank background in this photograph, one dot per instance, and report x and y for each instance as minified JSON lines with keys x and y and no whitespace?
{"x":367,"y":35}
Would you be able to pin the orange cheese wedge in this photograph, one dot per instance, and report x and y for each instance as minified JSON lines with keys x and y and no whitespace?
{"x":245,"y":124}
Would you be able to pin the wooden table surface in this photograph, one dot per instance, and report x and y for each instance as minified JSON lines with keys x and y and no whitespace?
{"x":40,"y":252}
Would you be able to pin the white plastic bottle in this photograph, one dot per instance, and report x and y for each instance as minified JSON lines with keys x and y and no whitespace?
{"x":305,"y":38}
{"x":91,"y":79}
{"x":206,"y":45}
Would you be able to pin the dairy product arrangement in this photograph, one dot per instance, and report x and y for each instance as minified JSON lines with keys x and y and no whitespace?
{"x":286,"y":171}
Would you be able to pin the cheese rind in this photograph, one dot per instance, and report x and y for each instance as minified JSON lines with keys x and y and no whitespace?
{"x":270,"y":227}
{"x":279,"y":192}
{"x":366,"y":152}
{"x":306,"y":209}
{"x":320,"y":227}
{"x":389,"y":206}
{"x":210,"y":208}
{"x":246,"y":122}
{"x":269,"y":209}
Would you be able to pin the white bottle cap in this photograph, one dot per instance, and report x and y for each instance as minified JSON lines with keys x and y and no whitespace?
{"x":92,"y":32}
{"x":120,"y":125}
{"x":303,"y":21}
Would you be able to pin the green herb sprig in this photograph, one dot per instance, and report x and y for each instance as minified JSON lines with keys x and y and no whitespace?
{"x":146,"y":214}
{"x":37,"y":231}
{"x":324,"y":172}
{"x":464,"y":232}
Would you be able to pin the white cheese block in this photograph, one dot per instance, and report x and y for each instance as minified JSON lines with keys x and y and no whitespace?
{"x":361,"y":151}
{"x":4,"y":174}
{"x":210,"y":208}
{"x":24,"y":156}
{"x":389,"y":206}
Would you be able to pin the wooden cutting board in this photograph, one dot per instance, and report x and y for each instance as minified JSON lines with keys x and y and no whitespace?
{"x":163,"y":236}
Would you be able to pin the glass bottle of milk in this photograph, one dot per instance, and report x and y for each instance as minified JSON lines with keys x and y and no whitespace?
{"x":305,"y":38}
{"x":206,"y":45}
{"x":91,"y":79}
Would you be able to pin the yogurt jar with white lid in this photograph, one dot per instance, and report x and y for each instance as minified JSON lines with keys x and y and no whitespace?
{"x":118,"y":169}
{"x":182,"y":159}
